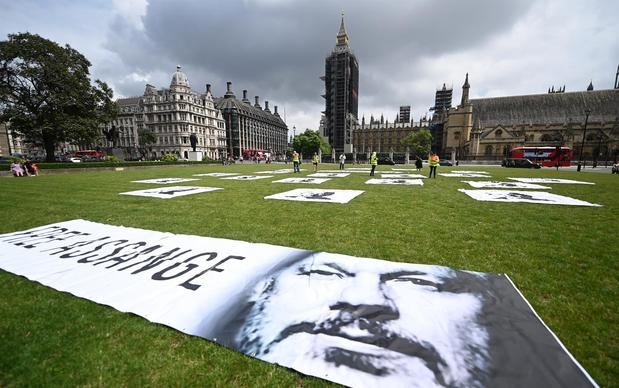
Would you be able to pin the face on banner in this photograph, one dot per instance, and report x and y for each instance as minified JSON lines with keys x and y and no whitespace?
{"x":381,"y":320}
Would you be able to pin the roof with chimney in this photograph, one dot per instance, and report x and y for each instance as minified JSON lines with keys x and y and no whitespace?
{"x":549,"y":108}
{"x":244,"y":107}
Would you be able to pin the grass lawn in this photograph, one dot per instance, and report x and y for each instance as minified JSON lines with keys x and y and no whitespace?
{"x":564,"y":259}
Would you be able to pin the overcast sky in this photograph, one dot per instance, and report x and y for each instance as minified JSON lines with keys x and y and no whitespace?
{"x":276,"y":49}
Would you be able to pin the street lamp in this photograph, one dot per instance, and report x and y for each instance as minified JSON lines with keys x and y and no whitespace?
{"x":584,"y":135}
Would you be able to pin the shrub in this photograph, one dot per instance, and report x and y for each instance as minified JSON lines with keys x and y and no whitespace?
{"x":169,"y":158}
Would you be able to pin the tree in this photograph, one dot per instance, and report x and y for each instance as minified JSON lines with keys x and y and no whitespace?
{"x":307,"y":142}
{"x":46,"y":94}
{"x":419,"y":142}
{"x":145,"y":138}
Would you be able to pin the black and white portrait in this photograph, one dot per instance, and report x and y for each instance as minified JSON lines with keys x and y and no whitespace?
{"x":166,"y":181}
{"x":394,"y":181}
{"x":317,"y":195}
{"x":248,"y":177}
{"x":524,"y":196}
{"x":171,"y":192}
{"x":505,"y":185}
{"x":315,"y":181}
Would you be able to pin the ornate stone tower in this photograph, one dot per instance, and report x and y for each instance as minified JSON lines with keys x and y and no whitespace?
{"x":341,"y":93}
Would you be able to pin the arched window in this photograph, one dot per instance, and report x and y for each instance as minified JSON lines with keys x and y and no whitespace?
{"x":488,"y":150}
{"x":498,"y":133}
{"x":546,"y":137}
{"x":457,"y":135}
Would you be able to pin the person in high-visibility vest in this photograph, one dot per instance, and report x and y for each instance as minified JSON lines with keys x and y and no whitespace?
{"x":295,"y":161}
{"x":315,"y":162}
{"x":433,"y":162}
{"x":373,"y":162}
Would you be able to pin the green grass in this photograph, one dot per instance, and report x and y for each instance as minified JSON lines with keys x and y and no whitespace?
{"x":563,"y":258}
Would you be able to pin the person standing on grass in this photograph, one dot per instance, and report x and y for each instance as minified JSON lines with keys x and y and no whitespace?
{"x":295,"y":161}
{"x":418,"y":163}
{"x":315,"y":162}
{"x":342,"y":160}
{"x":433,"y":162}
{"x":373,"y":162}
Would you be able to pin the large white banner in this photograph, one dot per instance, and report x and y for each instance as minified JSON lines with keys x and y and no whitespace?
{"x":525,"y":196}
{"x":355,"y":321}
{"x":394,"y":181}
{"x":166,"y":181}
{"x":504,"y":185}
{"x":171,"y":192}
{"x":551,"y":180}
{"x":315,"y":181}
{"x":317,"y":195}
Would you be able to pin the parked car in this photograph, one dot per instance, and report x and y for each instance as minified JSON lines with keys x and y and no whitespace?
{"x":445,"y":163}
{"x":520,"y":163}
{"x":385,"y":160}
{"x":74,"y":160}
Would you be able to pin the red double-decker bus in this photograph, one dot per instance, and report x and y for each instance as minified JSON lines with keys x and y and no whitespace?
{"x":545,"y":156}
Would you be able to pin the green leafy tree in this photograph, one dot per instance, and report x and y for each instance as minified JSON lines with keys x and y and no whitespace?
{"x":324,"y":146}
{"x":145,"y":138}
{"x":46,"y":94}
{"x":307,"y":143}
{"x":419,"y":142}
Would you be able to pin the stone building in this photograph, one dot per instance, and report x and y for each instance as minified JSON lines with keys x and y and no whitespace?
{"x":250,"y":128}
{"x":382,"y":136}
{"x":487,"y":128}
{"x":341,"y":93}
{"x":172,"y":116}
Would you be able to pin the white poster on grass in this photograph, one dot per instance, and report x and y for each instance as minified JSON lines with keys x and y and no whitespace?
{"x":217,"y":174}
{"x":464,"y":175}
{"x":317,"y":195}
{"x":166,"y":181}
{"x":329,"y":175}
{"x":504,"y":185}
{"x":395,"y":181}
{"x":315,"y":181}
{"x":524,"y":196}
{"x":551,"y":180}
{"x":355,"y":321}
{"x":402,"y":176}
{"x":248,"y":177}
{"x":171,"y":192}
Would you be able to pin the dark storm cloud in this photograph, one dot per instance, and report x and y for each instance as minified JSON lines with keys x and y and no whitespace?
{"x":276,"y":48}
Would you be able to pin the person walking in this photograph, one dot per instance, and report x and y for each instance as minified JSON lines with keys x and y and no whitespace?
{"x":295,"y":161}
{"x":373,"y":162}
{"x":315,"y":162}
{"x":342,"y":160}
{"x":418,"y":163}
{"x":433,"y":162}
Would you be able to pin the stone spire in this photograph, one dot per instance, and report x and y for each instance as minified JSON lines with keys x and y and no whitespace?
{"x":590,"y":87}
{"x":342,"y":36}
{"x":465,"y":91}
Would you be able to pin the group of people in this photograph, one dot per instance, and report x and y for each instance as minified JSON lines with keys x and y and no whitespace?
{"x":24,"y":168}
{"x":433,"y":161}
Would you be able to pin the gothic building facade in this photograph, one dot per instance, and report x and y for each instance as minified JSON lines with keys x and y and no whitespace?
{"x":341,"y":94}
{"x":487,"y":128}
{"x":382,"y":136}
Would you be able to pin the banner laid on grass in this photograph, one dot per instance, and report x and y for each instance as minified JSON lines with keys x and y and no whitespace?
{"x":166,"y":181}
{"x":317,"y":195}
{"x":351,"y":320}
{"x":402,"y":176}
{"x":525,"y":196}
{"x":504,"y":185}
{"x":171,"y":192}
{"x":248,"y":177}
{"x":329,"y":175}
{"x":551,"y":180}
{"x":394,"y":181}
{"x":315,"y":181}
{"x":457,"y":174}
